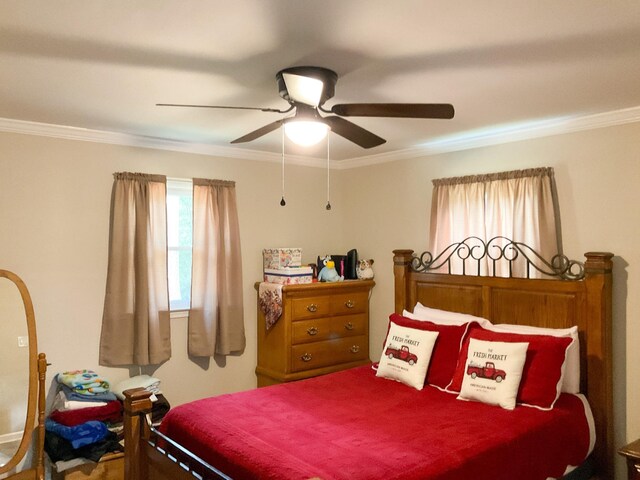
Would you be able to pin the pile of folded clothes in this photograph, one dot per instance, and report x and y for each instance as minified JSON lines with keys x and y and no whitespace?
{"x":160,"y":405}
{"x":84,"y":421}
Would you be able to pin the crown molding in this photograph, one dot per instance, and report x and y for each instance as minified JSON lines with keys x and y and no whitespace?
{"x":464,"y":141}
{"x":500,"y":135}
{"x":115,"y":138}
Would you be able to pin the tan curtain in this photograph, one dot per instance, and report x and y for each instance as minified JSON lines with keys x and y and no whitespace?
{"x":520,"y":205}
{"x":135,"y":321}
{"x":216,"y":318}
{"x":457,"y":212}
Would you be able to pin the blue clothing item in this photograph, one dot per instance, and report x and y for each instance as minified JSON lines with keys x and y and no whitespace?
{"x":98,"y":397}
{"x":80,"y":435}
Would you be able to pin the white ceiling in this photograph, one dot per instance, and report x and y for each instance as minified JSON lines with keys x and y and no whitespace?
{"x":104,"y":64}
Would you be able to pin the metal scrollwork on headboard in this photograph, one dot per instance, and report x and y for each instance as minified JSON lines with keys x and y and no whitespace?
{"x":487,"y":256}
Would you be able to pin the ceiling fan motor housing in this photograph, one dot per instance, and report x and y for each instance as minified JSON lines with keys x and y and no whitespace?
{"x":326,"y":76}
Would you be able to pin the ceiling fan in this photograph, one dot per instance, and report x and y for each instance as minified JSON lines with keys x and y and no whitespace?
{"x":308,"y":88}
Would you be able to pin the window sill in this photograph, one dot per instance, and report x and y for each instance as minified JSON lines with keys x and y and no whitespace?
{"x":179,"y":314}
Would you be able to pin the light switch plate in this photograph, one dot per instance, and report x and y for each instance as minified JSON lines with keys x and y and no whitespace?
{"x":23,"y":341}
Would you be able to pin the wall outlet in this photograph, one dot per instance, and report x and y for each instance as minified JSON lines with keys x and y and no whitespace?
{"x":23,"y":341}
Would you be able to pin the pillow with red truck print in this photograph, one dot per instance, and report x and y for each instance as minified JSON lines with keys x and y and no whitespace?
{"x":406,"y":355}
{"x":492,"y":372}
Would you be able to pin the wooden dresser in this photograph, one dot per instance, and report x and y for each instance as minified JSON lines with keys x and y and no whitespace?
{"x":324,"y":328}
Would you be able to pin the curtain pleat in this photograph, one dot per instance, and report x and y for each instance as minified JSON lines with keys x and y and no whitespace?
{"x":519,"y":205}
{"x":457,"y":212}
{"x":135,"y":321}
{"x":216,"y":318}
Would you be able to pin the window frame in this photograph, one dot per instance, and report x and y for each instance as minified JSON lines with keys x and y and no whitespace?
{"x":180,"y":187}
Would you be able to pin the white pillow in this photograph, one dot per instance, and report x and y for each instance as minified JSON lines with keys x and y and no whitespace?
{"x":493,"y":371}
{"x":571,"y":378}
{"x":406,"y":355}
{"x":443,"y":317}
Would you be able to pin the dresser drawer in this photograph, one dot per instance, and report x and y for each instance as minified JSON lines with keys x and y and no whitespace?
{"x":328,"y":352}
{"x":349,"y":325}
{"x":346,"y":303}
{"x":311,"y":307}
{"x":314,"y":330}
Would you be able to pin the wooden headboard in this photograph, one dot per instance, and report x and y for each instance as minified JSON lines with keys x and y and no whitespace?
{"x":552,"y":303}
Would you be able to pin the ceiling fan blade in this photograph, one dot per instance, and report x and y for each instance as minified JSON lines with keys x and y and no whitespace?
{"x":274,"y":110}
{"x":353,"y":132}
{"x":401,"y":110}
{"x":259,"y":132}
{"x":302,"y":89}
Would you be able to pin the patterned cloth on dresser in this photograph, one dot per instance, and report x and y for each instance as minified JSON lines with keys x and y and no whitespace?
{"x":270,"y":300}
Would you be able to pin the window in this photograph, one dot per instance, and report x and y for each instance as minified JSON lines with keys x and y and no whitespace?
{"x":160,"y":214}
{"x":179,"y":240}
{"x":518,"y":205}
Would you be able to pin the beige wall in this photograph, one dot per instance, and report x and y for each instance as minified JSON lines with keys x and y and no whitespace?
{"x":54,"y":208}
{"x":54,"y":217}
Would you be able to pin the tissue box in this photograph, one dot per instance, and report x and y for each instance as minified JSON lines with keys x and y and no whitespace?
{"x":273,"y":258}
{"x":288,"y":275}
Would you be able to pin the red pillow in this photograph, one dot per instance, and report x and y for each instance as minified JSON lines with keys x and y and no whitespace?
{"x":445,"y":352}
{"x":542,"y":374}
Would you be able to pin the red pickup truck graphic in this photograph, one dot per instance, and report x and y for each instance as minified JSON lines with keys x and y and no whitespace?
{"x":401,"y":353}
{"x":488,"y":371}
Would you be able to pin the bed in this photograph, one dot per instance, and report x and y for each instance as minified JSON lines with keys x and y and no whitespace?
{"x":345,"y":425}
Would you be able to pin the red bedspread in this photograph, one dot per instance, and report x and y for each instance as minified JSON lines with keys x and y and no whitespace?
{"x":354,"y":425}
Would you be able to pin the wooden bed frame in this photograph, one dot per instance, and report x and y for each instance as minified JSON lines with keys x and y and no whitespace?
{"x":551,"y":303}
{"x":555,"y":303}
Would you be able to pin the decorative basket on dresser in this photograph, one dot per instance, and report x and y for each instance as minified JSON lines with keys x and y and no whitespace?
{"x":324,"y":327}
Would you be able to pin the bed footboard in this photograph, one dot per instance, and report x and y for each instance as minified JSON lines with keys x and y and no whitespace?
{"x":149,"y":455}
{"x":136,"y":432}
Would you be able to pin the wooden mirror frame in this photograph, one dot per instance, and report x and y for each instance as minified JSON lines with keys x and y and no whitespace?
{"x":36,"y":397}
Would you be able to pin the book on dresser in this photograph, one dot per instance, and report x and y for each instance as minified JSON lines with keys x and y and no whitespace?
{"x":323,"y":328}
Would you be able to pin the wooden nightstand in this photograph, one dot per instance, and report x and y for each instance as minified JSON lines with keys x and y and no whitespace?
{"x":324,"y":328}
{"x":632,"y":453}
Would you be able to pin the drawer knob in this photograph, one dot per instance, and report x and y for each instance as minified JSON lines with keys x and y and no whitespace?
{"x":312,"y":331}
{"x":355,"y":348}
{"x":349,"y":304}
{"x":306,"y":357}
{"x":348,"y":326}
{"x":312,"y":308}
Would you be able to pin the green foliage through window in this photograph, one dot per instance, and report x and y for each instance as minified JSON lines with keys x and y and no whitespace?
{"x":179,"y":241}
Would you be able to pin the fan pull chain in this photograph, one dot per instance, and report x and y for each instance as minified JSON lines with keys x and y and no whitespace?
{"x":328,"y":207}
{"x":282,"y":201}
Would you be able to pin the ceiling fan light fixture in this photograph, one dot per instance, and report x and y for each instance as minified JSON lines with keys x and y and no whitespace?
{"x":305,"y":132}
{"x":306,"y":90}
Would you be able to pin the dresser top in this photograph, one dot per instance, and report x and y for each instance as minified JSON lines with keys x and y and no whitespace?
{"x":320,"y":286}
